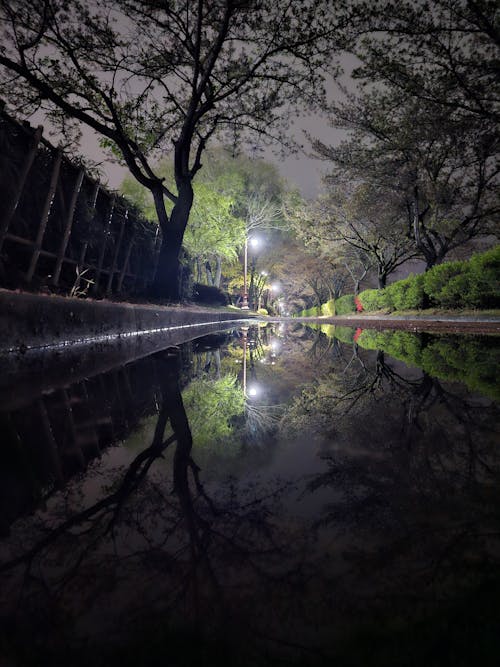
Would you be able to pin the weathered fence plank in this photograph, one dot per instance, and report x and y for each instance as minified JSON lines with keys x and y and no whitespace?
{"x":115,"y":254}
{"x":93,"y":204}
{"x":105,"y":234}
{"x":67,"y":226}
{"x":12,"y":205}
{"x":126,"y":260}
{"x":45,"y":215}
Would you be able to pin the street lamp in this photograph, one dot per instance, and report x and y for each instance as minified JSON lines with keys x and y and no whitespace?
{"x":254,"y":242}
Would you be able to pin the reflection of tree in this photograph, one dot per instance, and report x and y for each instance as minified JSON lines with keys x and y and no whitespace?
{"x":214,"y":406}
{"x":178,"y":555}
{"x":413,"y":468}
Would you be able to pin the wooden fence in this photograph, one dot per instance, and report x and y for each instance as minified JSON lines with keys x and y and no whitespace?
{"x":60,"y":229}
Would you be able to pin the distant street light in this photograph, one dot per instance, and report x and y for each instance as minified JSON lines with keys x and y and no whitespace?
{"x":254,"y":242}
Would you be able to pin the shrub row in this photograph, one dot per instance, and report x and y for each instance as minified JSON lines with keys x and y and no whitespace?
{"x":469,"y":284}
{"x":473,"y":362}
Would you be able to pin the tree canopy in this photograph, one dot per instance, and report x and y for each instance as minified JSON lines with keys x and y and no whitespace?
{"x":147,"y":75}
{"x":423,"y":124}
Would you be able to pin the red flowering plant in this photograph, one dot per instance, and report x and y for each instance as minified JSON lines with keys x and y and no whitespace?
{"x":357,"y":334}
{"x":359,"y":305}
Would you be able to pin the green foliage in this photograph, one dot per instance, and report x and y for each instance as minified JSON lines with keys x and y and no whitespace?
{"x":446,"y":284}
{"x":469,"y":360}
{"x":212,"y":407}
{"x":262,"y":311}
{"x":328,"y":308}
{"x":345,"y":304}
{"x":472,"y":362}
{"x":468,"y":284}
{"x":328,"y":330}
{"x":484,"y":279}
{"x":399,"y":344}
{"x":314,"y":311}
{"x":471,"y":284}
{"x":373,"y":299}
{"x":406,"y":294}
{"x":344,"y":334}
{"x":213,"y":230}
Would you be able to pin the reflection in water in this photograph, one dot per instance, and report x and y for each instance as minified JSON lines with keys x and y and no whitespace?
{"x":347,"y":511}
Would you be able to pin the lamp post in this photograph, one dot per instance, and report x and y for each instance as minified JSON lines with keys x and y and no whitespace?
{"x":254,"y":242}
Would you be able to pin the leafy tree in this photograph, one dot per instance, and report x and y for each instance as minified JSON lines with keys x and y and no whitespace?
{"x":357,"y":227}
{"x":145,"y":75}
{"x":442,"y":53}
{"x":438,"y":168}
{"x":215,"y":233}
{"x":423,"y":124}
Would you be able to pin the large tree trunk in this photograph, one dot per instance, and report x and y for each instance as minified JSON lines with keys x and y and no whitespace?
{"x":218,"y":272}
{"x":208,"y":269}
{"x":167,"y":281}
{"x":382,"y":278}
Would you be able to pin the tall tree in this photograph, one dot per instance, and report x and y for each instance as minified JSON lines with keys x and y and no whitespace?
{"x":355,"y":228}
{"x":145,"y":74}
{"x":444,"y":52}
{"x":443,"y":168}
{"x":215,"y":233}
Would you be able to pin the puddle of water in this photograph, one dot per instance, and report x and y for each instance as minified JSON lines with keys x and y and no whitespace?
{"x":257,"y":495}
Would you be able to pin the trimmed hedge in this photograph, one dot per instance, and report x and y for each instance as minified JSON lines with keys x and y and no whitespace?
{"x":470,"y":284}
{"x":373,"y":299}
{"x":328,"y":308}
{"x":314,"y":311}
{"x":345,"y":304}
{"x":473,"y":284}
{"x":407,"y":294}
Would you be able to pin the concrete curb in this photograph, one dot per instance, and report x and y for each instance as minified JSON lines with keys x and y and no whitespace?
{"x":34,"y":321}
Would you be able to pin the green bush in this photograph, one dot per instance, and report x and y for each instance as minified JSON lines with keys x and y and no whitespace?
{"x":484,"y":280}
{"x":445,"y":284}
{"x":345,"y":304}
{"x":373,"y":299}
{"x":328,"y":308}
{"x":344,"y":334}
{"x":314,"y":311}
{"x":471,"y":284}
{"x":406,"y":294}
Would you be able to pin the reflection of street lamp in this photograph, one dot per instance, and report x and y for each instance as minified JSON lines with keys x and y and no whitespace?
{"x":253,"y":389}
{"x":254,"y":242}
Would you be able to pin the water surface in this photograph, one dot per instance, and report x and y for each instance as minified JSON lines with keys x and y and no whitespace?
{"x":264,"y":495}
